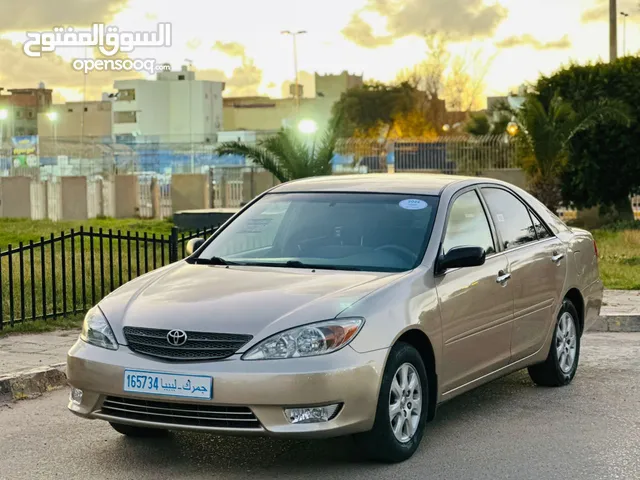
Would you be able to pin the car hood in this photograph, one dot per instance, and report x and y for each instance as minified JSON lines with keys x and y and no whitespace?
{"x":236,"y":299}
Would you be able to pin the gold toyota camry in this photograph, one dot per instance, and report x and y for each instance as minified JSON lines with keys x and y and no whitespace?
{"x":342,"y":305}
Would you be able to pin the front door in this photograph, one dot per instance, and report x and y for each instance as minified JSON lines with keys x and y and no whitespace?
{"x":476,"y":303}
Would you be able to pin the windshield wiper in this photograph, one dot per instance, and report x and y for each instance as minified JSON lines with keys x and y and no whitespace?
{"x":212,"y":261}
{"x":299,"y":264}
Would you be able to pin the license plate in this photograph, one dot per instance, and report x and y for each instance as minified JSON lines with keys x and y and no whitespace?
{"x":168,"y":384}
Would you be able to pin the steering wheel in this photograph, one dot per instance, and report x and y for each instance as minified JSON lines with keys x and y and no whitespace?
{"x":405,"y":252}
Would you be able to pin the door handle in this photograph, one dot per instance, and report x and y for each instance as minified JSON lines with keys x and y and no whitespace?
{"x":557,"y":257}
{"x":502,"y":277}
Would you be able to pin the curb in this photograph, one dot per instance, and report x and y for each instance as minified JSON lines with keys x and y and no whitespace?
{"x":32,"y":383}
{"x":617,"y":323}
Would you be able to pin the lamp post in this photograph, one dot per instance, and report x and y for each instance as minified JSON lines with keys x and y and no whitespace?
{"x":624,"y":33}
{"x":294,"y":35}
{"x":512,"y":128}
{"x":193,"y":162}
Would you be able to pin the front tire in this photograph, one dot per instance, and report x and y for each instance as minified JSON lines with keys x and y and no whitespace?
{"x":562,"y":362}
{"x":402,"y":410}
{"x":140,"y":432}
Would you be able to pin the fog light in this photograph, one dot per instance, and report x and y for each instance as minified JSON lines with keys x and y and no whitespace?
{"x":76,"y":395}
{"x":311,"y":414}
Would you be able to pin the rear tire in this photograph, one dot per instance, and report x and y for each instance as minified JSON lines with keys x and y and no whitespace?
{"x":140,"y":432}
{"x":403,"y":406}
{"x":562,"y":362}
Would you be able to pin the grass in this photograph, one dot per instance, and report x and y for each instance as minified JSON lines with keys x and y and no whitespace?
{"x":14,"y":231}
{"x":40,"y":326}
{"x":619,"y":257}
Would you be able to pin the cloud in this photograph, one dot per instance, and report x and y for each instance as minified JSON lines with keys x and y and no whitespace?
{"x":461,"y":19}
{"x":600,"y":12}
{"x":46,"y":14}
{"x":232,"y":49}
{"x":528,"y":40}
{"x":244,"y":81}
{"x":20,"y":71}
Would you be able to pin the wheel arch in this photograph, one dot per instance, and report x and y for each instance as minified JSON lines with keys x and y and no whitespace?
{"x":421,"y":342}
{"x":576,"y":298}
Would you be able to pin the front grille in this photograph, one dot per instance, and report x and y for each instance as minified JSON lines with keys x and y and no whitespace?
{"x":199,"y":345}
{"x":183,"y":414}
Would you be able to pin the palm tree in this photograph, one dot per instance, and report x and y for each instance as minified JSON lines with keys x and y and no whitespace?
{"x":544,"y":138}
{"x":286,"y":155}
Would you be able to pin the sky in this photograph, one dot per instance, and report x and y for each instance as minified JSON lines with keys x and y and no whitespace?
{"x":239,"y":41}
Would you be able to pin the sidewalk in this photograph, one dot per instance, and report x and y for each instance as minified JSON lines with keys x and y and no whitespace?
{"x":31,"y":364}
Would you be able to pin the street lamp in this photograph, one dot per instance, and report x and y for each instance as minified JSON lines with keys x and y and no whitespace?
{"x":295,"y":60}
{"x":624,"y":33}
{"x":308,"y":127}
{"x":512,"y":128}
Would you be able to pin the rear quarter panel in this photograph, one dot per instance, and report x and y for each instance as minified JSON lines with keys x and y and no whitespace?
{"x":583,"y":272}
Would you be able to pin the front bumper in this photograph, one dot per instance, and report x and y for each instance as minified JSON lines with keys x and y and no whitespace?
{"x":266,"y":387}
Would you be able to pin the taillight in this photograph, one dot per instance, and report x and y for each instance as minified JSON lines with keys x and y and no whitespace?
{"x":595,"y":248}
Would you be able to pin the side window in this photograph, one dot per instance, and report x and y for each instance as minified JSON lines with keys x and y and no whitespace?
{"x":468,"y":225}
{"x":510,"y":216}
{"x":541,"y":230}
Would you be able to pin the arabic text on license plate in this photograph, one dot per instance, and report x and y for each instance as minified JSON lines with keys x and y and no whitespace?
{"x":168,"y":384}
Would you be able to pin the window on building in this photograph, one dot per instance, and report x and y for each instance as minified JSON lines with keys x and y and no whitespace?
{"x":70,"y":110}
{"x":180,"y":77}
{"x":125,"y":117}
{"x":18,"y":114}
{"x":29,"y":114}
{"x":86,"y":109}
{"x":126,"y":95}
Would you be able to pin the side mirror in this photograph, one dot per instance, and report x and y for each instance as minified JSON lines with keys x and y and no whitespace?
{"x":460,"y":257}
{"x":193,"y":245}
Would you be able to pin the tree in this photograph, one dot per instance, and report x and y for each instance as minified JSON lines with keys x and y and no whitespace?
{"x":602,"y":166}
{"x":372,"y":110}
{"x":544,"y":139}
{"x":460,"y":79}
{"x":286,"y":155}
{"x":478,"y":124}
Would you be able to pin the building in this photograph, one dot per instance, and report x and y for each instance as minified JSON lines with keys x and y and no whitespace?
{"x":173,"y":108}
{"x":73,"y":120}
{"x":20,"y":110}
{"x":264,"y":113}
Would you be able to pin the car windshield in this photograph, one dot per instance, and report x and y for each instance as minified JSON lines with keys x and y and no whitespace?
{"x":340,"y":231}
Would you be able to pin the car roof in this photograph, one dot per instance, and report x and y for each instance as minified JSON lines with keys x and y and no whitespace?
{"x":404,"y":183}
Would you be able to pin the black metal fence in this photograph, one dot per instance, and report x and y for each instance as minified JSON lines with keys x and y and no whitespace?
{"x":67,"y":274}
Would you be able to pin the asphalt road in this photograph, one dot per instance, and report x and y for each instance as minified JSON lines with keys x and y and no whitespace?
{"x":507,"y":429}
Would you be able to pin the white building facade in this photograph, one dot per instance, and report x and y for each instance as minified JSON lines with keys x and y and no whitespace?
{"x":174,"y":108}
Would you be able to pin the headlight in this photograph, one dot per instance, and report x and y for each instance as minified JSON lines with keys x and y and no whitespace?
{"x":307,"y":341}
{"x":97,"y":331}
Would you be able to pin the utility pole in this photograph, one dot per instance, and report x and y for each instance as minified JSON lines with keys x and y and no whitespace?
{"x":295,"y":63}
{"x":624,"y":33}
{"x":613,"y":31}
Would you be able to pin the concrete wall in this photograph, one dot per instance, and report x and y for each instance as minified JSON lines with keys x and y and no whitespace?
{"x":256,"y":183}
{"x":15,"y":197}
{"x":74,"y":198}
{"x":189,"y":191}
{"x":126,"y":196}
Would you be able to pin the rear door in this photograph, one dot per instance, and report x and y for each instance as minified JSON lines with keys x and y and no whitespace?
{"x":537,"y":262}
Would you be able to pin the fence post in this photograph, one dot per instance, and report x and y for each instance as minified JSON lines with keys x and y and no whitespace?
{"x":154,"y":189}
{"x":212,"y":190}
{"x":223,"y":191}
{"x":173,"y":245}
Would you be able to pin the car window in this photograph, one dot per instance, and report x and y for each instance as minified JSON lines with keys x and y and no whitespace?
{"x":468,"y":225}
{"x":351,"y":231}
{"x":541,"y":231}
{"x":511,"y":217}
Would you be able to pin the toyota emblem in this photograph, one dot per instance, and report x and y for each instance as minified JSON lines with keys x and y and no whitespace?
{"x":176,"y":338}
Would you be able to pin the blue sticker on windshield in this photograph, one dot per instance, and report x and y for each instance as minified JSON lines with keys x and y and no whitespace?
{"x":413,"y":204}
